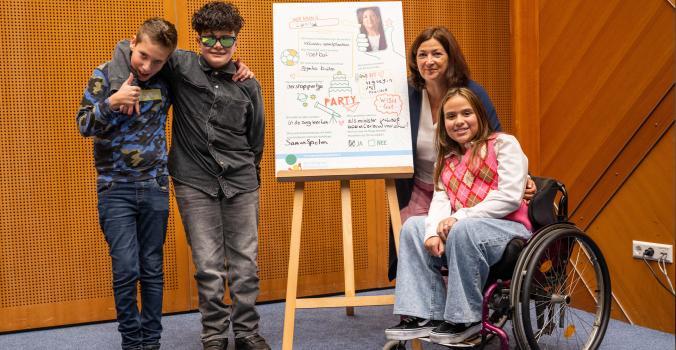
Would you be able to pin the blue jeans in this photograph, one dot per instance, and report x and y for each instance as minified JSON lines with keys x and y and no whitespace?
{"x":473,"y":245}
{"x":133,"y":217}
{"x":223,"y":235}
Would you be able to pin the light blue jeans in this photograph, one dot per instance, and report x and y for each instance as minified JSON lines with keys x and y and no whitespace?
{"x":473,"y":245}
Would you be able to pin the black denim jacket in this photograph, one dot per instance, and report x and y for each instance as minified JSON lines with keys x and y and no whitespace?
{"x":218,"y":126}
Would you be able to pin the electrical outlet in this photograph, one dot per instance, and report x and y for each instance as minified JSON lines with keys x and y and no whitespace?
{"x":638,"y":247}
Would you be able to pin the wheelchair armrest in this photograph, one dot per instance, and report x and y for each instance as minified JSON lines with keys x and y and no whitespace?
{"x":505,"y":266}
{"x":542,"y":209}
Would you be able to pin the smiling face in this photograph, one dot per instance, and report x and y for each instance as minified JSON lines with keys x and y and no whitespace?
{"x":432,"y":61}
{"x":460,"y":120}
{"x":370,"y":20}
{"x":217,"y":56}
{"x":147,"y":58}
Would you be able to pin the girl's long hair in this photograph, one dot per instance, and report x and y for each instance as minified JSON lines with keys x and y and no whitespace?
{"x":446,"y":146}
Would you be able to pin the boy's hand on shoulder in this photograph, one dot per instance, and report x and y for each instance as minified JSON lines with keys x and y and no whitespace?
{"x":243,"y":72}
{"x":125,"y":100}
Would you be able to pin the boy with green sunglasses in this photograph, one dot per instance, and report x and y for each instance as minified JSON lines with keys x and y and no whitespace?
{"x":227,"y":41}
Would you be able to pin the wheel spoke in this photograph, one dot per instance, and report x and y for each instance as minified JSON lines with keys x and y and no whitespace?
{"x":549,"y":322}
{"x":575,"y":281}
{"x":544,"y":296}
{"x":561,"y":267}
{"x":571,"y":274}
{"x":539,"y":284}
{"x":581,"y":321}
{"x":559,"y":258}
{"x":538,"y":304}
{"x":570,"y":319}
{"x":579,"y":273}
{"x":555,"y":269}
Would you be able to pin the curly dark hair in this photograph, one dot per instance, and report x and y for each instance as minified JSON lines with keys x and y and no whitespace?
{"x":217,"y":16}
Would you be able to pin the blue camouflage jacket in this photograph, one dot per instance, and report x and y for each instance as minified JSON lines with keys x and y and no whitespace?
{"x":218,"y":129}
{"x":126,"y":148}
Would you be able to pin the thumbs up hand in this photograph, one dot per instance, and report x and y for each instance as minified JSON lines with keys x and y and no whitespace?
{"x":126,"y":99}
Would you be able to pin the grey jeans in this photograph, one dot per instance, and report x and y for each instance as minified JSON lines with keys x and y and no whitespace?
{"x":223,"y":235}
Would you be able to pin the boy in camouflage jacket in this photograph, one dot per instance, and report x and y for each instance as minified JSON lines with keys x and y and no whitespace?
{"x":130,"y":155}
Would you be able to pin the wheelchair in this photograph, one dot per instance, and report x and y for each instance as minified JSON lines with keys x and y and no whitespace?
{"x":555,"y":287}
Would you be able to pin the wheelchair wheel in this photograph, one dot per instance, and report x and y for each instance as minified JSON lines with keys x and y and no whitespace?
{"x":561,"y":292}
{"x":520,"y":272}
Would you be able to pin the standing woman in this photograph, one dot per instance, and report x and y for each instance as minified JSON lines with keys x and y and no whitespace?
{"x":372,"y":26}
{"x":436,"y":64}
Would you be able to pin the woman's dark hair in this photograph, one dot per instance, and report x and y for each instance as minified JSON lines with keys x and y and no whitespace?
{"x":360,"y":13}
{"x":217,"y":16}
{"x":457,"y":73}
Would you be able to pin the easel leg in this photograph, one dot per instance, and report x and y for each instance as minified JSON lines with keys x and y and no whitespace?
{"x":348,"y":252}
{"x":416,"y":344}
{"x":292,"y":279}
{"x":393,"y":203}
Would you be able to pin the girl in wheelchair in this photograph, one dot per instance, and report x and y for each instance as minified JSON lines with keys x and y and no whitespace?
{"x":477,"y":208}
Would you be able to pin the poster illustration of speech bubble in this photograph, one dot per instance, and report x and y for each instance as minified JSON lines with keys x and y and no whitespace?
{"x":388,"y":104}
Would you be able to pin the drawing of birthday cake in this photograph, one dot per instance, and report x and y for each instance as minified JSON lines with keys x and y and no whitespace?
{"x":339,"y":86}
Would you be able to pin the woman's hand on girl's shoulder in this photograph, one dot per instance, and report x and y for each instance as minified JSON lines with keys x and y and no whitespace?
{"x":530,"y":190}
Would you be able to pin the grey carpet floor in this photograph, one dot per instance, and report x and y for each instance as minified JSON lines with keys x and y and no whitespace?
{"x":315,"y":329}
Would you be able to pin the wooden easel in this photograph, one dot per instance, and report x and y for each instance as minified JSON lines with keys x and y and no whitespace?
{"x":350,"y":300}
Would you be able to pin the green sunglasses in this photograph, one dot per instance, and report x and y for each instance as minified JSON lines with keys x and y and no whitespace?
{"x":210,"y":41}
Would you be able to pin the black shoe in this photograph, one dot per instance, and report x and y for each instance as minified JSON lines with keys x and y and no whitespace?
{"x":452,"y":333}
{"x":151,"y":346}
{"x":251,"y":342}
{"x":411,"y":328}
{"x":216,"y":344}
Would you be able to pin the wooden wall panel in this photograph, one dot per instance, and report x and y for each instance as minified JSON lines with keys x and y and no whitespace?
{"x":606,"y":98}
{"x":54,"y":264}
{"x":621,"y":168}
{"x":525,"y":19}
{"x":54,"y":267}
{"x":610,"y":75}
{"x":642,"y":209}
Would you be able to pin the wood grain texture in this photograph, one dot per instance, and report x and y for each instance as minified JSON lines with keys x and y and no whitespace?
{"x":526,"y":81}
{"x":54,"y":263}
{"x":642,"y":209}
{"x":598,"y":83}
{"x":606,"y":101}
{"x":53,"y":258}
